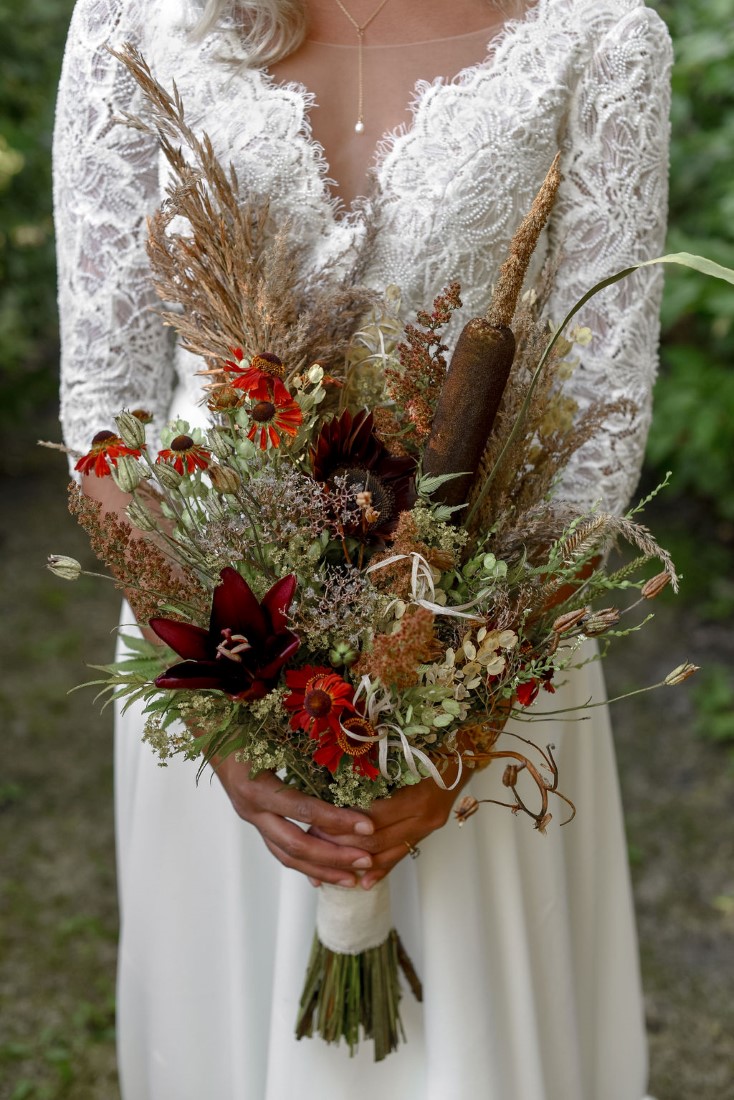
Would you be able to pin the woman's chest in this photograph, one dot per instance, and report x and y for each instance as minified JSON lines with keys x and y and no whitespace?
{"x":449,"y":189}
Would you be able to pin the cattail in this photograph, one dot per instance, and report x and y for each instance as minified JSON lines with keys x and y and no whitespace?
{"x":481,"y":363}
{"x":470,"y":398}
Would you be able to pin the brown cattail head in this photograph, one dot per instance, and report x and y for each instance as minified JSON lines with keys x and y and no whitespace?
{"x":470,"y":398}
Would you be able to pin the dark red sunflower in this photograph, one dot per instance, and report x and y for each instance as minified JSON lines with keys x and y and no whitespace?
{"x":318,"y":699}
{"x":103,"y":454}
{"x":348,"y":447}
{"x":185,"y":455}
{"x":273,"y":418}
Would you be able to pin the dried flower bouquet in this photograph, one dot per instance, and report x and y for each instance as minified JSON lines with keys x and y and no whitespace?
{"x":358,"y":568}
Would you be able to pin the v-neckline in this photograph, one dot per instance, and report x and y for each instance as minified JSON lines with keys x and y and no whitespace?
{"x":355,"y":213}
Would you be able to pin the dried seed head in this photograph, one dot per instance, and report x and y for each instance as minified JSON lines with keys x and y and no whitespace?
{"x":140,"y":517}
{"x":127,"y":474}
{"x":511,"y":772}
{"x":224,"y":479}
{"x":131,"y":429}
{"x":142,"y":415}
{"x":679,"y":674}
{"x":66,"y":568}
{"x":542,"y":822}
{"x":467,"y":806}
{"x":219,"y":445}
{"x":598,"y":622}
{"x":223,"y":398}
{"x":567,"y":622}
{"x":654,"y":586}
{"x":168,"y":477}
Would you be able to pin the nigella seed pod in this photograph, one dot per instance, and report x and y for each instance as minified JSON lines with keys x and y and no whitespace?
{"x":219,"y":445}
{"x":509,"y":777}
{"x":467,"y":806}
{"x":168,"y":477}
{"x":342,"y":655}
{"x":567,"y":622}
{"x":655,"y":586}
{"x":224,"y":479}
{"x":467,"y":407}
{"x":679,"y":674}
{"x":126,"y":474}
{"x":69,"y":569}
{"x":131,"y":429}
{"x":599,"y":622}
{"x":140,"y":517}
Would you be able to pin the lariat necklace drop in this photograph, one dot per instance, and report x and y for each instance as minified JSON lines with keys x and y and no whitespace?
{"x":359,"y":124}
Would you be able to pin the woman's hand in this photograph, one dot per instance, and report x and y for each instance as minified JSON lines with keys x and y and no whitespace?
{"x":401,"y":822}
{"x":272,"y":807}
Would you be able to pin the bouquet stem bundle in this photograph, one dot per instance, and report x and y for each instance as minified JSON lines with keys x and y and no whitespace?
{"x":354,"y":983}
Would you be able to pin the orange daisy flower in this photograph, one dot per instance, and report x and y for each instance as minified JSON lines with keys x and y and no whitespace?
{"x":185,"y":455}
{"x":273,"y":417}
{"x":103,"y":455}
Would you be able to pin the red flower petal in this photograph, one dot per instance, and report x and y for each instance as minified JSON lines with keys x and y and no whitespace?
{"x":189,"y":641}
{"x":236,"y":607}
{"x":278,"y":599}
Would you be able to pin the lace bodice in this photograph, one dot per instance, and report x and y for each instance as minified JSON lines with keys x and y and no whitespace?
{"x":590,"y":77}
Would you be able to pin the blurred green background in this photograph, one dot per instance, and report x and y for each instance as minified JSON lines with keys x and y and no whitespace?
{"x":57,"y":907}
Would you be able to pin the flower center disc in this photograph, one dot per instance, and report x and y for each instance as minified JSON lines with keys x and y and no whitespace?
{"x":355,"y":724}
{"x":317,"y":703}
{"x":361,"y":480}
{"x":263,"y":412}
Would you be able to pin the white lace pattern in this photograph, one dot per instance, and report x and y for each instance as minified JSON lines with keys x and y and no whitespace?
{"x":590,"y":77}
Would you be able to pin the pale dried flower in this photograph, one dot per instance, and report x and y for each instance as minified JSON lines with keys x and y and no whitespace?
{"x":69,"y":569}
{"x":679,"y":674}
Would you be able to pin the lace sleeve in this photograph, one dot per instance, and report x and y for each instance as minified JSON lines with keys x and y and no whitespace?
{"x":611,"y":212}
{"x":115,"y":351}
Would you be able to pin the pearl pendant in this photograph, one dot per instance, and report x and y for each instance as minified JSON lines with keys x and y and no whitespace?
{"x":359,"y":127}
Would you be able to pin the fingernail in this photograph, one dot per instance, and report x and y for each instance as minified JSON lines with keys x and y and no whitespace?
{"x":368,"y":883}
{"x":346,"y":882}
{"x":314,"y":881}
{"x":364,"y":828}
{"x":362,"y":863}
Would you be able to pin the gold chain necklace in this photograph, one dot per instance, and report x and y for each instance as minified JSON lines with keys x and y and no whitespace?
{"x":359,"y":124}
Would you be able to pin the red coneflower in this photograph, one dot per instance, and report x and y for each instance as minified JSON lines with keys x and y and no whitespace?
{"x":185,"y":455}
{"x":333,"y":748}
{"x":262,"y":380}
{"x":272,"y":417}
{"x":318,"y":699}
{"x":103,"y":455}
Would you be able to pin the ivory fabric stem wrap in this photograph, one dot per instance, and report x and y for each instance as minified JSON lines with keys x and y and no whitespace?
{"x":351,"y":920}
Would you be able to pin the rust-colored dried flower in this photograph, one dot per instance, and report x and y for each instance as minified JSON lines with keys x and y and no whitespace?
{"x":567,"y":622}
{"x":395,"y":658}
{"x":655,"y":586}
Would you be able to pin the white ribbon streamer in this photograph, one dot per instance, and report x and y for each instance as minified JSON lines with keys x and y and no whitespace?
{"x":351,"y":920}
{"x":375,"y":708}
{"x":421,"y":582}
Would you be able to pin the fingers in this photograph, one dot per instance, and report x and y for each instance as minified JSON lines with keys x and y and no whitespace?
{"x":311,"y":855}
{"x":275,"y":797}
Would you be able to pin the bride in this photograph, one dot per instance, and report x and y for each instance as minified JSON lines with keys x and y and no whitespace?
{"x":433,"y":124}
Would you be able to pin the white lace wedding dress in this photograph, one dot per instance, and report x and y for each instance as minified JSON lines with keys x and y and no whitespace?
{"x":526,"y":945}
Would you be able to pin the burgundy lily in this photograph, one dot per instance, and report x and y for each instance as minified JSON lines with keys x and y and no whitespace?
{"x":245,"y":647}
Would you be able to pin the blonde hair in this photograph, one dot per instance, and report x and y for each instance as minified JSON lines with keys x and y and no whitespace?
{"x":271,"y":29}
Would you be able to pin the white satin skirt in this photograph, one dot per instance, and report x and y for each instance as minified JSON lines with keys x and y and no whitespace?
{"x":525,"y":944}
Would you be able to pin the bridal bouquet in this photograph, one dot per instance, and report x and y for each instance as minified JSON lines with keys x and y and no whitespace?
{"x":357,"y":568}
